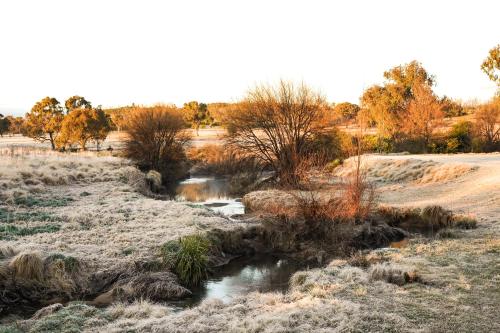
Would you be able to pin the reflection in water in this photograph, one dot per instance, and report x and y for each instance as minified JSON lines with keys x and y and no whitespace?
{"x":262,"y":273}
{"x":211,"y":192}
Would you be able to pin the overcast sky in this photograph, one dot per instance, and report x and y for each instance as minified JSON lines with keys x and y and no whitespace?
{"x":119,"y":52}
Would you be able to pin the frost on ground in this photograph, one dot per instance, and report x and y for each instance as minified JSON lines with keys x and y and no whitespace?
{"x":433,"y":285}
{"x":96,"y":203}
{"x":80,"y":225}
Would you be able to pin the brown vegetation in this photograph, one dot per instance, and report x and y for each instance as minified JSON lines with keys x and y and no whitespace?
{"x":488,"y":125}
{"x":275,"y":124}
{"x":156,"y":140}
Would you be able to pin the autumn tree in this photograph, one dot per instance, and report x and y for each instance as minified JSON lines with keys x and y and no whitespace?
{"x":156,"y":139}
{"x":4,"y":124}
{"x":196,"y":114}
{"x":491,"y":65}
{"x":43,"y":122}
{"x":16,"y":125}
{"x":387,"y":105}
{"x":275,"y":124}
{"x":423,"y":116}
{"x":218,"y":111}
{"x":488,"y":124}
{"x":76,"y":102}
{"x":82,"y":125}
{"x":346,"y":110}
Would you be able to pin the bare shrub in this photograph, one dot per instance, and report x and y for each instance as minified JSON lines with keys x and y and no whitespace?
{"x":275,"y":125}
{"x":488,"y":125}
{"x":156,"y":139}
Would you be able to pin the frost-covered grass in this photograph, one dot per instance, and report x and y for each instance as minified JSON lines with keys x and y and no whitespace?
{"x":456,"y":291}
{"x":91,"y":207}
{"x":437,"y":284}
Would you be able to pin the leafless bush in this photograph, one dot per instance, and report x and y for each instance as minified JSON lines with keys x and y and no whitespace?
{"x":275,"y":124}
{"x":156,"y":140}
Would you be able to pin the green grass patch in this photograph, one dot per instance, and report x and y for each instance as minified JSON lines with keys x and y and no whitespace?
{"x":73,"y":318}
{"x":42,"y":202}
{"x":8,"y":232}
{"x":188,"y":258}
{"x":70,"y":264}
{"x":9,"y":329}
{"x":7,"y":216}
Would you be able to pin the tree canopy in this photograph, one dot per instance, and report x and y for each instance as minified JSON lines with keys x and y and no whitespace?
{"x":196,"y":114}
{"x":43,"y":122}
{"x":387,"y":105}
{"x":76,"y":102}
{"x":82,"y":125}
{"x":346,"y":110}
{"x":491,"y":65}
{"x":4,"y":124}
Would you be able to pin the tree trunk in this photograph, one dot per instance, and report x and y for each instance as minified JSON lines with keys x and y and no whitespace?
{"x":52,"y":141}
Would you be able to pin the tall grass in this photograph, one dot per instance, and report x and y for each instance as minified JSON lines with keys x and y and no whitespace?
{"x":188,"y":258}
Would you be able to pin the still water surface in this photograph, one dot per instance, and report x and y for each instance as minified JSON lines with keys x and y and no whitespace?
{"x":263,"y":273}
{"x":210,"y":192}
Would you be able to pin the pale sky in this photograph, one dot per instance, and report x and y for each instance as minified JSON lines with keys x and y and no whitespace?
{"x":119,"y":52}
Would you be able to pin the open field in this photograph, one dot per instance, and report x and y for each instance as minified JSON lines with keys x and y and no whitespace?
{"x":115,"y":139}
{"x":104,"y":220}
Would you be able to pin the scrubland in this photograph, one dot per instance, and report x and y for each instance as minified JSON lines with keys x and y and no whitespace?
{"x":448,"y":281}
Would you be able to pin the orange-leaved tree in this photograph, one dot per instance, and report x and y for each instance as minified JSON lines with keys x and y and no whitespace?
{"x":43,"y":122}
{"x":82,"y":125}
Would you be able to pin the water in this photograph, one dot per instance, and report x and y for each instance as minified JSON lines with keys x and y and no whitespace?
{"x":263,"y":273}
{"x":210,"y":192}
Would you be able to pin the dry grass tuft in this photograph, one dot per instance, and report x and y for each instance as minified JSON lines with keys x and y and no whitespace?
{"x":430,"y":218}
{"x":436,"y":217}
{"x":27,"y":266}
{"x":392,"y":273}
{"x":7,"y":252}
{"x":141,"y":309}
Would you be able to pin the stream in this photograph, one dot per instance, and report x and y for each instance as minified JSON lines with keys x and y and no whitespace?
{"x":210,"y":192}
{"x":263,"y":273}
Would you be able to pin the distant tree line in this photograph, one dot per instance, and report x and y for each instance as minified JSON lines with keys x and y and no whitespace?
{"x":405,"y":111}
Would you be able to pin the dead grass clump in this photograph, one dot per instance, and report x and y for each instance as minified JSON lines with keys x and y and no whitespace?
{"x":430,"y":218}
{"x":446,"y":234}
{"x":464,"y":222}
{"x":27,"y":266}
{"x":436,"y":217}
{"x":153,"y":178}
{"x":141,"y":309}
{"x":154,"y":286}
{"x":365,"y":260}
{"x":392,"y":273}
{"x":7,"y":252}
